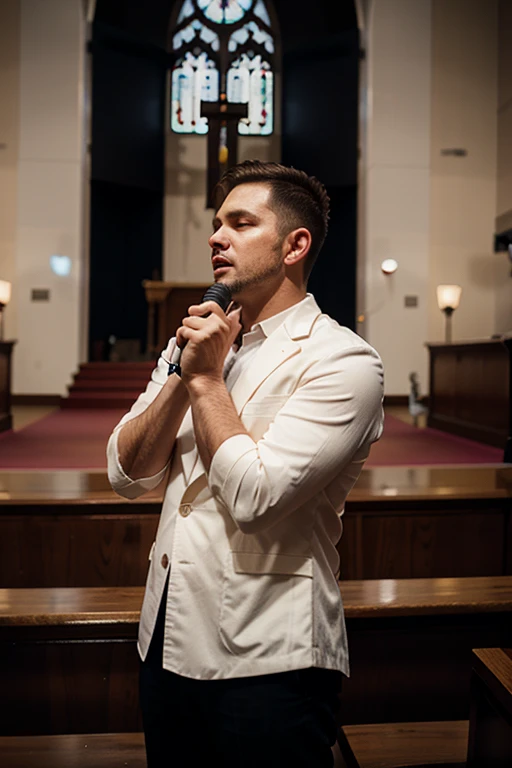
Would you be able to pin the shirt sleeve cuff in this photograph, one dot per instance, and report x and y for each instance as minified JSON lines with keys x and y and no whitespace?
{"x":120,"y":481}
{"x":229,"y":465}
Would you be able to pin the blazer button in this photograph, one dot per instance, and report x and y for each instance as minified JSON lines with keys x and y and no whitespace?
{"x":185,"y":510}
{"x":164,"y":561}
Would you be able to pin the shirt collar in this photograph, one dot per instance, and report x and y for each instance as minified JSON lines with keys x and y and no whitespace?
{"x":264,"y":328}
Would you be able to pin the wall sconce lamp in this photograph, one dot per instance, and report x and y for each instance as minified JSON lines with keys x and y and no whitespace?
{"x":448,"y":299}
{"x":5,"y":297}
{"x":389,"y":266}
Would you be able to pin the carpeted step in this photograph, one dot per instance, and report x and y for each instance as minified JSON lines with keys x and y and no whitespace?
{"x":109,"y":385}
{"x":93,"y":399}
{"x":115,"y":372}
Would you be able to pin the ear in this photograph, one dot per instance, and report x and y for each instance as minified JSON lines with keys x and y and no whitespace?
{"x":297,"y":245}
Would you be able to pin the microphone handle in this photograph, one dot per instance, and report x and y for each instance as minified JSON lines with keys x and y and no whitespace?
{"x":221,"y":295}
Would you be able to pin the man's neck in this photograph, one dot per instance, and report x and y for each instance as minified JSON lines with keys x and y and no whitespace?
{"x":260,"y":306}
{"x":255,"y":311}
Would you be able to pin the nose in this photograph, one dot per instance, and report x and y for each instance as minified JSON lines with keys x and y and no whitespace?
{"x":218,"y":240}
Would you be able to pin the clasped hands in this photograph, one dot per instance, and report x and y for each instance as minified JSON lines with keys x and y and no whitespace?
{"x":206,"y":337}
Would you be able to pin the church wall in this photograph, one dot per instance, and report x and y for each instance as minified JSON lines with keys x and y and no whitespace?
{"x":188,"y":224}
{"x":396,"y":183}
{"x":463,"y":189}
{"x":503,"y":320}
{"x":50,"y":194}
{"x":9,"y":147}
{"x":504,"y":202}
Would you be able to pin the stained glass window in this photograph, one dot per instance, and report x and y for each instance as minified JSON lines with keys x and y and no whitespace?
{"x":223,"y":47}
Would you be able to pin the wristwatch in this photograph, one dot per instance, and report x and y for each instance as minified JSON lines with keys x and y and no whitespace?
{"x":174,"y":368}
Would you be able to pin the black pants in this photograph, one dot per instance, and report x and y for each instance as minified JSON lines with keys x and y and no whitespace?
{"x":284,"y":720}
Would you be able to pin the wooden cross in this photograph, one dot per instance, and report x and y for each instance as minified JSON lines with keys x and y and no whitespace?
{"x":221,"y":114}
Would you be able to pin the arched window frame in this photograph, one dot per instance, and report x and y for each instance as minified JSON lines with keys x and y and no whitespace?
{"x":223,"y":59}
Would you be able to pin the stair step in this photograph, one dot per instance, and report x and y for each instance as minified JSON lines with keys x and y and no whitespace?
{"x":119,"y":367}
{"x":106,"y":374}
{"x":109,"y":385}
{"x":119,"y":400}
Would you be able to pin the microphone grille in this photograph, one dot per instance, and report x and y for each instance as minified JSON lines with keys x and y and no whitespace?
{"x":219,"y":293}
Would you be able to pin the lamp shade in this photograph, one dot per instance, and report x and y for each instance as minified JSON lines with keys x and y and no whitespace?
{"x":389,"y":266}
{"x":448,"y":296}
{"x":5,"y":292}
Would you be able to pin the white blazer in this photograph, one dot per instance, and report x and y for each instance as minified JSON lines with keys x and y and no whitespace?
{"x":251,"y":547}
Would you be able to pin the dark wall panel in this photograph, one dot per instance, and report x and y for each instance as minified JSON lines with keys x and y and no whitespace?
{"x":128,"y":112}
{"x":127,"y":172}
{"x":126,"y":248}
{"x":320,"y":132}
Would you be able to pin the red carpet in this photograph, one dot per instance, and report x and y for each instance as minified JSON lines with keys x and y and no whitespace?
{"x":63,"y":440}
{"x":76,"y":439}
{"x":405,"y":445}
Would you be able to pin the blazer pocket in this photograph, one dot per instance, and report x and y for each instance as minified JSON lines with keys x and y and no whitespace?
{"x":266,"y":606}
{"x":265,"y":406}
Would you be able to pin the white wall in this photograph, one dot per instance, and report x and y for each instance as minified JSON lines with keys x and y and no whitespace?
{"x":503,"y":319}
{"x":50,"y":186}
{"x":463,"y":189}
{"x":9,"y":142}
{"x":397,"y":182}
{"x":431,"y":84}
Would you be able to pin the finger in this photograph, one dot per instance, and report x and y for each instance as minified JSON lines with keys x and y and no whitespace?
{"x":190,"y":334}
{"x":194,"y":322}
{"x":235,"y":324}
{"x":179,"y":338}
{"x":207,"y":307}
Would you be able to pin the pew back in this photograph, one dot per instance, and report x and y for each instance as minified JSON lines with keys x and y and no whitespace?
{"x":69,"y":662}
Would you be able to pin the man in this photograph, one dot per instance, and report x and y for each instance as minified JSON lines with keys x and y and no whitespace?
{"x":242,"y":633}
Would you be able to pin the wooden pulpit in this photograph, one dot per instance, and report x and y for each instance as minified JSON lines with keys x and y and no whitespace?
{"x":168,"y":304}
{"x":471,"y":390}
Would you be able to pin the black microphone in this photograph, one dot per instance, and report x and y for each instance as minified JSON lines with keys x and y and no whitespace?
{"x":221,"y":295}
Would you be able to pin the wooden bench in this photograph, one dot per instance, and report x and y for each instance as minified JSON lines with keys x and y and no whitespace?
{"x":490,"y":731}
{"x":483,"y":742}
{"x":392,"y":745}
{"x":69,"y":664}
{"x":96,"y":750}
{"x":69,"y":529}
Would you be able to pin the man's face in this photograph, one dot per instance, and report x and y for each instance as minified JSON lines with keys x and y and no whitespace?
{"x":246,"y":247}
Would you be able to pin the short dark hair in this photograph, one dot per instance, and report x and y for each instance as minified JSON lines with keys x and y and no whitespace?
{"x":297,"y":199}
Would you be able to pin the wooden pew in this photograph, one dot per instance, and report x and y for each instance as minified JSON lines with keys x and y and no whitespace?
{"x":69,"y":529}
{"x":483,"y":742}
{"x":69,"y":664}
{"x":403,"y":744}
{"x":490,"y":730}
{"x":92,"y":750}
{"x":428,"y":522}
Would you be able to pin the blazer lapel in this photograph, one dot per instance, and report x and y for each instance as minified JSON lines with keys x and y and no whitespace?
{"x":272,"y":353}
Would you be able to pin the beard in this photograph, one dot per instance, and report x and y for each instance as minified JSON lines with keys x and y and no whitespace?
{"x":255,"y":278}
